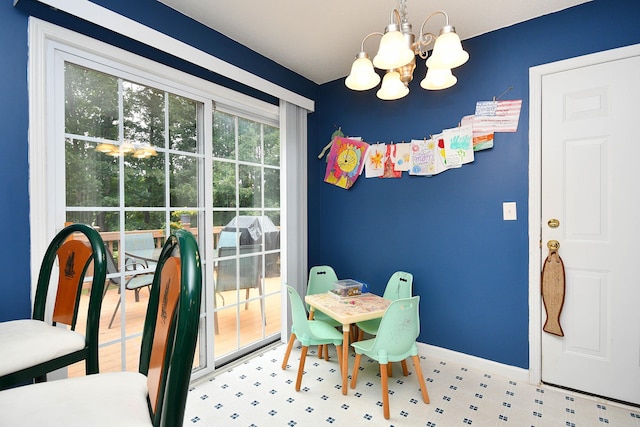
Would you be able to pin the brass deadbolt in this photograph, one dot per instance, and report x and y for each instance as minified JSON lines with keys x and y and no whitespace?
{"x":553,"y":223}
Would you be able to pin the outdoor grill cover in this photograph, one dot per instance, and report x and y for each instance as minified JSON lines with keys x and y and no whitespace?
{"x":252,"y":229}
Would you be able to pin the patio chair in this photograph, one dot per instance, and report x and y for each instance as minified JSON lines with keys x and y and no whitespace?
{"x":400,"y":285}
{"x":155,"y":395}
{"x":134,"y":281}
{"x":308,"y":332}
{"x":395,"y":342}
{"x":31,"y":348}
{"x":137,"y":242}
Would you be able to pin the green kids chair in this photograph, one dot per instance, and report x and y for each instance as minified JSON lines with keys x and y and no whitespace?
{"x":400,"y":285}
{"x":308,"y":332}
{"x":395,"y":342}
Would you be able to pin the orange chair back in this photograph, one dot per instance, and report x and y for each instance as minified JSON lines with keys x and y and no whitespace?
{"x":73,"y":257}
{"x":169,"y":296}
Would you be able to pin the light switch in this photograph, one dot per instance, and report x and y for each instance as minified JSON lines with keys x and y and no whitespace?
{"x":509,"y":212}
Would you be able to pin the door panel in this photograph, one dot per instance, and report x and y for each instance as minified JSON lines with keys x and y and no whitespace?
{"x":589,"y":173}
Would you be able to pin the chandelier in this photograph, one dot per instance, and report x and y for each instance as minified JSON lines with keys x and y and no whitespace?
{"x":137,"y":150}
{"x":397,"y":55}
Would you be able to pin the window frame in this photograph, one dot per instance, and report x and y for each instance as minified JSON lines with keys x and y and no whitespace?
{"x":47,"y":214}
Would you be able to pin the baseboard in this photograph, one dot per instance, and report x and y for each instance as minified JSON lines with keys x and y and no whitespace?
{"x":474,"y":362}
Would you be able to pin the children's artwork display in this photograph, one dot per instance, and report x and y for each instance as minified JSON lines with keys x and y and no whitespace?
{"x":345,"y":161}
{"x":450,"y":149}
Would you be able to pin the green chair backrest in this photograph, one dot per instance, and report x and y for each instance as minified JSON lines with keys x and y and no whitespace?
{"x":299,"y":316}
{"x":400,"y":285}
{"x":399,"y":328}
{"x":171,"y":328}
{"x":321,"y":279}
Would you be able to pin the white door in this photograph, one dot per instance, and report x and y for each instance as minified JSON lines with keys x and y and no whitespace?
{"x":590,"y":179}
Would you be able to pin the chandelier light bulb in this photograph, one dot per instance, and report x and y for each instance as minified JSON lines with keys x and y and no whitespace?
{"x":438,"y":78}
{"x":393,"y":51}
{"x":447,"y":50}
{"x":362,"y":76}
{"x":392,"y":87}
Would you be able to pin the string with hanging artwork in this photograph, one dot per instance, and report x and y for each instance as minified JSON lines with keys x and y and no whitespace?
{"x":450,"y":149}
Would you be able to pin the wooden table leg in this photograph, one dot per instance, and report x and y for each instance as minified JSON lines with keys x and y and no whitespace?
{"x":345,"y":357}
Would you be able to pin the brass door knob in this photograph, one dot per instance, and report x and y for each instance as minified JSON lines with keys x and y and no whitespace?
{"x":553,"y":245}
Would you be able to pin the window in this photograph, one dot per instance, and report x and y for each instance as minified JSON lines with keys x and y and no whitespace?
{"x":137,"y":150}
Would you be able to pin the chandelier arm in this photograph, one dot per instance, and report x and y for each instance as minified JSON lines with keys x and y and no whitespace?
{"x":395,"y":14}
{"x":377,"y":33}
{"x":422,"y":43}
{"x":437,"y":12}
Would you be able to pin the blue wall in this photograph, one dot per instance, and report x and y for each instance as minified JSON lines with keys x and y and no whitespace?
{"x":469,"y":266}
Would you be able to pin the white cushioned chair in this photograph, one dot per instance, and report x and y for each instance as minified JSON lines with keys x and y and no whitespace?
{"x":154,"y":396}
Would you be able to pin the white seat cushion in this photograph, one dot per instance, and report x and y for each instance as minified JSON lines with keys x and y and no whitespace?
{"x":29,"y":342}
{"x":110,"y":399}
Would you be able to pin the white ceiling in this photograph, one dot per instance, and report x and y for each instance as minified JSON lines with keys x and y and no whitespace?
{"x":319,"y":39}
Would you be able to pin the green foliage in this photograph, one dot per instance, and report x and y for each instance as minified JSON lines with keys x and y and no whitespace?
{"x":246,"y":155}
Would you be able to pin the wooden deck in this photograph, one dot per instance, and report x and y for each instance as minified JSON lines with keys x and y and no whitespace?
{"x":230,"y":318}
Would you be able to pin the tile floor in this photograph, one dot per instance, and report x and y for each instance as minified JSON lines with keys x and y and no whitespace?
{"x":258,"y":393}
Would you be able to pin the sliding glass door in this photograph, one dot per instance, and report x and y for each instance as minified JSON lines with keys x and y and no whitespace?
{"x":137,"y":157}
{"x":246,"y":221}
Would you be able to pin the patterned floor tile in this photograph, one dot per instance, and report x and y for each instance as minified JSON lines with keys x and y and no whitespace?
{"x":258,"y":393}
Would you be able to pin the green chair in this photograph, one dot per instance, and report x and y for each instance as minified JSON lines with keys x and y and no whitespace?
{"x":308,"y":332}
{"x":321,"y":280}
{"x":395,"y":342}
{"x":31,"y":348}
{"x":155,"y":395}
{"x":400,"y":285}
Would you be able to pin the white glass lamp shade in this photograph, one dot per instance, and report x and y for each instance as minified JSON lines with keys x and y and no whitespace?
{"x":447,"y":51}
{"x":104,"y":147}
{"x":438,"y":78}
{"x":392,"y":87}
{"x":393,"y":51}
{"x":362,"y":76}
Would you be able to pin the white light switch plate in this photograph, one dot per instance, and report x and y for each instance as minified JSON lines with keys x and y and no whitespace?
{"x":509,"y":212}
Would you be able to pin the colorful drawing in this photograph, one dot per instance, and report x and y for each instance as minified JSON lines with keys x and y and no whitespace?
{"x":422,"y":157}
{"x":374,"y":167}
{"x":345,"y":161}
{"x":402,"y":157}
{"x":458,"y":145}
{"x":481,"y":140}
{"x":389,"y":166}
